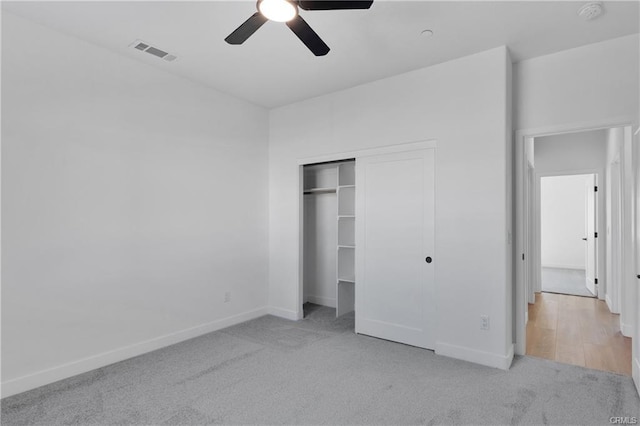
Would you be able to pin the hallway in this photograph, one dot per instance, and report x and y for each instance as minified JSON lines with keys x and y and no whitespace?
{"x":579,"y":331}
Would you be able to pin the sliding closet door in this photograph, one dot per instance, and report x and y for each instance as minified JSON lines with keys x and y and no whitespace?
{"x":395,"y":247}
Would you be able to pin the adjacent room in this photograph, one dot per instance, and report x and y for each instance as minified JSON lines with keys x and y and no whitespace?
{"x":572,"y":314}
{"x":567,"y":205}
{"x":320,"y":212}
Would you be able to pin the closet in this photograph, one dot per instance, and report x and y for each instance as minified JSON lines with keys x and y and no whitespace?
{"x":372,"y":251}
{"x":329,"y":235}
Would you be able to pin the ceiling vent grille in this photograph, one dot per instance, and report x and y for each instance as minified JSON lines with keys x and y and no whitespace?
{"x":147,"y":48}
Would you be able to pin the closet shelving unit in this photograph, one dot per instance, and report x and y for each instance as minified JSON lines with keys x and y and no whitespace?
{"x":339,"y":179}
{"x":346,"y":193}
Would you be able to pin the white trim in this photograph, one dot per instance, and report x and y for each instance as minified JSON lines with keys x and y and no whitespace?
{"x":489,"y":359}
{"x":636,"y":373}
{"x":568,"y":172}
{"x":389,"y":149}
{"x":299,"y":314}
{"x":520,"y":251}
{"x":50,"y":375}
{"x":576,"y":127}
{"x":320,"y":300}
{"x":607,"y":299}
{"x":285,"y":313}
{"x":614,"y":236}
{"x":521,"y":299}
{"x":626,"y":329}
{"x":560,"y":266}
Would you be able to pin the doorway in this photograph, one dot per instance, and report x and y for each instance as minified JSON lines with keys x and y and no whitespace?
{"x":568,"y":234}
{"x":329,"y":239}
{"x":567,"y":327}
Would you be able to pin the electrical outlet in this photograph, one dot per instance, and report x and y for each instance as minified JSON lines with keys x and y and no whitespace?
{"x":484,"y":322}
{"x":227,"y":297}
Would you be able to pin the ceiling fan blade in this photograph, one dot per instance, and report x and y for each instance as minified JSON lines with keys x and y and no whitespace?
{"x":244,"y":31}
{"x":309,"y":37}
{"x":334,"y":4}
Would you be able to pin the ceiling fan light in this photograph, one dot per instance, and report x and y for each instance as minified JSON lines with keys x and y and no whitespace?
{"x":277,"y":10}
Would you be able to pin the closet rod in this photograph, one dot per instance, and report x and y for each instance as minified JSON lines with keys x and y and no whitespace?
{"x":320,"y":191}
{"x":346,"y":160}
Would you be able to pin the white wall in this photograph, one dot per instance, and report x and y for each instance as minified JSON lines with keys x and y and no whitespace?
{"x":132,"y":200}
{"x":587,"y":84}
{"x":461,"y":104}
{"x":571,"y":152}
{"x":575,"y":153}
{"x":563,"y":221}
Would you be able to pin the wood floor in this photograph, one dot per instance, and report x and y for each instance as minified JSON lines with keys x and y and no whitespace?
{"x":579,"y":331}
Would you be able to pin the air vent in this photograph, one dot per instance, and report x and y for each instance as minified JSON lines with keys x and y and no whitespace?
{"x":147,"y":48}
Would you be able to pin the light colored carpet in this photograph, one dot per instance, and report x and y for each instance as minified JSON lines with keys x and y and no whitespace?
{"x":565,"y":281}
{"x":317,"y":371}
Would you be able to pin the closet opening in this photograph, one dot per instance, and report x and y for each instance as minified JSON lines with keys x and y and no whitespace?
{"x":328,"y":233}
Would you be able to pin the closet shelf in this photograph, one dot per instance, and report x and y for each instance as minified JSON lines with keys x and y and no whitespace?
{"x":320,"y":191}
{"x":346,"y":216}
{"x":351,"y":280}
{"x":346,"y":246}
{"x":346,"y":186}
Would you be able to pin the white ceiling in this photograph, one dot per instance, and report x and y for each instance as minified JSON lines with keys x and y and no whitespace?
{"x":274,"y":68}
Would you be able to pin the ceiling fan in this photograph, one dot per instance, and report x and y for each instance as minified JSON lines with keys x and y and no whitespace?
{"x":287,"y":11}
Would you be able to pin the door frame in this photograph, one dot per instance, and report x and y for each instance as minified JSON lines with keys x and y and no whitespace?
{"x":635,"y":351}
{"x":614,"y":238}
{"x":338,"y":156}
{"x":537,"y":223}
{"x":521,"y":254}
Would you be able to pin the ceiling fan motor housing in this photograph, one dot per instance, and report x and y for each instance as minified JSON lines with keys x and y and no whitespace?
{"x":278,"y":10}
{"x":287,"y":11}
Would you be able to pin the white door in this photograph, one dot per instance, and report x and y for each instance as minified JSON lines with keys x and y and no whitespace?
{"x":635,"y":341}
{"x":395,"y":258}
{"x":591,"y":242}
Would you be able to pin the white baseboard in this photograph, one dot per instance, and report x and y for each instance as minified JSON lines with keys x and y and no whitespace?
{"x":489,"y":359}
{"x":324,"y":301}
{"x":609,"y":303}
{"x":285,"y":313}
{"x":626,"y":329}
{"x":563,"y":266}
{"x":64,"y":371}
{"x":636,"y":374}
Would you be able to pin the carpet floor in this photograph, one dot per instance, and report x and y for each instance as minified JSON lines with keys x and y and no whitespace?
{"x":565,"y":281}
{"x":317,"y":371}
